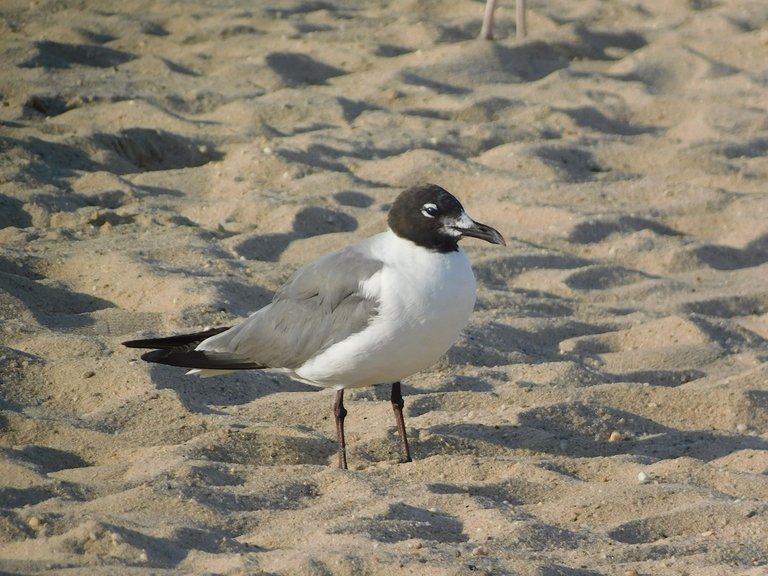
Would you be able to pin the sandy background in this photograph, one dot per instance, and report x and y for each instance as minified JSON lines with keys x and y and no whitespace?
{"x":165,"y":166}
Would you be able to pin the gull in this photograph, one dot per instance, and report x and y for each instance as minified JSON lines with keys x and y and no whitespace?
{"x":370,"y":313}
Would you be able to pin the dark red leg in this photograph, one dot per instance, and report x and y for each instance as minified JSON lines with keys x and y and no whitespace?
{"x":397,"y":406}
{"x":340,"y":413}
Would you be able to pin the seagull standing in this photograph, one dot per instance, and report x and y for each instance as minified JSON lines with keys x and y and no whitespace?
{"x":371,"y":313}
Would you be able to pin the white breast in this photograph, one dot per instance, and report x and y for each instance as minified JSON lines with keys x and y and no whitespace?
{"x":426,"y":300}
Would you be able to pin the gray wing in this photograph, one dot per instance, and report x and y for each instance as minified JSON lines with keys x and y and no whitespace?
{"x":319,"y":305}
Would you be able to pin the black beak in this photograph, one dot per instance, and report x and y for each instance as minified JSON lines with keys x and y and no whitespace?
{"x":468,"y":227}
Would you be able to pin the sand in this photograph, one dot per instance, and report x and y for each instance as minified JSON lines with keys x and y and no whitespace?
{"x":165,"y":166}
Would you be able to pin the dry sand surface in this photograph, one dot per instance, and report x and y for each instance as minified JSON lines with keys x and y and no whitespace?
{"x":166,"y":165}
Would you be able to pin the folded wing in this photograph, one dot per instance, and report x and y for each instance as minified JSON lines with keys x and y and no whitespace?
{"x":320,"y":305}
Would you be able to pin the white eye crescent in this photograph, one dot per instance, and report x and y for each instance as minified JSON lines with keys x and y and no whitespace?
{"x":429,"y":210}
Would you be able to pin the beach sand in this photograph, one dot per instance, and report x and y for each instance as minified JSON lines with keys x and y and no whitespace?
{"x":164,"y":167}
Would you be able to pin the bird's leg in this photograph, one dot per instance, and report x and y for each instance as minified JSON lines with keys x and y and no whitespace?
{"x":486,"y":32}
{"x":340,"y":413}
{"x":397,"y":406}
{"x":520,"y":24}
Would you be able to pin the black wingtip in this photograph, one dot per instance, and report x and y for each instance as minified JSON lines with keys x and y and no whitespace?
{"x":202,"y":360}
{"x":181,"y":341}
{"x":181,"y":351}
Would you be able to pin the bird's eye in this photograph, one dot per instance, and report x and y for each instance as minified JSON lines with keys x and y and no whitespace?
{"x":429,"y":210}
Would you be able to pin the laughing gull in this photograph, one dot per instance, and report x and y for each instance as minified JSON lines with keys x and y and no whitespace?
{"x":371,"y":313}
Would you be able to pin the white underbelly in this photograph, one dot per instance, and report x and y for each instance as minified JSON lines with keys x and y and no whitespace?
{"x":418,"y":321}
